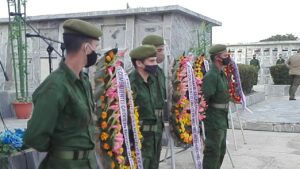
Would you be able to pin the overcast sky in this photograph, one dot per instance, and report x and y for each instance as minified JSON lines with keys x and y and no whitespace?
{"x":243,"y":20}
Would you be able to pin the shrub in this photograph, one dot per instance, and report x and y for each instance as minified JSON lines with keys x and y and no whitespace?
{"x":248,"y":75}
{"x":280,"y":75}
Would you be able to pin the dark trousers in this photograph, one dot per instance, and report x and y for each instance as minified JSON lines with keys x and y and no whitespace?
{"x":151,"y":147}
{"x":295,"y":82}
{"x":215,"y":148}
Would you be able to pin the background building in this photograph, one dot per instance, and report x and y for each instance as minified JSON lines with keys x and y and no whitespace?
{"x":266,"y":52}
{"x":126,"y":28}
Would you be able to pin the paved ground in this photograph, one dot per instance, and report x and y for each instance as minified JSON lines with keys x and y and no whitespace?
{"x":274,"y":114}
{"x":264,"y":150}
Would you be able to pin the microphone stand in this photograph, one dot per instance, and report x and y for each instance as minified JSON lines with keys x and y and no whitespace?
{"x":6,"y":78}
{"x":50,"y":47}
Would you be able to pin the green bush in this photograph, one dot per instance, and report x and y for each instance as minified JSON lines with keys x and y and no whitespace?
{"x":248,"y":75}
{"x":280,"y":75}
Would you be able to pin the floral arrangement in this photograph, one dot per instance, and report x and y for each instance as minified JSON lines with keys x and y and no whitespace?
{"x":234,"y":88}
{"x":181,"y":114}
{"x":112,"y":136}
{"x":10,"y":143}
{"x":200,"y":67}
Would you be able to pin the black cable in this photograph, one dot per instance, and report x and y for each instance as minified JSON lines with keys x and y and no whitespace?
{"x":2,"y":119}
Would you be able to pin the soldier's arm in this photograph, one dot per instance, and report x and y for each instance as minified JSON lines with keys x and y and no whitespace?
{"x":47,"y":105}
{"x":209,"y":86}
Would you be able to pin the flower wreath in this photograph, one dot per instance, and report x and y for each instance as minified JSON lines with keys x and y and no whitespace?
{"x":112,"y":137}
{"x":181,"y":115}
{"x":234,"y":87}
{"x":200,"y":67}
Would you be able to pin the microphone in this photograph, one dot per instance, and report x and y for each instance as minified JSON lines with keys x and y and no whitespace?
{"x":28,"y":35}
{"x":15,"y":14}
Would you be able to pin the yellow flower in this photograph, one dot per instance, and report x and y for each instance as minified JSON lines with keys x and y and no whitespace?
{"x":104,"y":115}
{"x":113,"y":165}
{"x":109,"y":153}
{"x":104,"y":125}
{"x":104,"y":136}
{"x":106,"y":146}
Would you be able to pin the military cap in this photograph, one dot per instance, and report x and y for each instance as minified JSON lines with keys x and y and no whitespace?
{"x":153,"y":40}
{"x":143,"y":52}
{"x":216,"y":49}
{"x":81,"y":28}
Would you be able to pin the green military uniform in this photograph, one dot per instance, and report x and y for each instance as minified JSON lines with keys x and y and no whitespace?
{"x":160,"y":102}
{"x":215,"y":90}
{"x":280,"y":61}
{"x":254,"y":62}
{"x":62,"y":122}
{"x":145,"y":97}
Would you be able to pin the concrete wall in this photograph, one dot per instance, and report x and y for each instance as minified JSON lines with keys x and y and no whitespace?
{"x":125,"y":31}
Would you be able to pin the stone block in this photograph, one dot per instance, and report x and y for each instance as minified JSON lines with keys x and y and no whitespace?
{"x":278,"y":90}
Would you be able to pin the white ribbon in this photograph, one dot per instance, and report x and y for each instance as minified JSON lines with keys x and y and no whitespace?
{"x":138,"y":152}
{"x":123,"y":111}
{"x":194,"y":108}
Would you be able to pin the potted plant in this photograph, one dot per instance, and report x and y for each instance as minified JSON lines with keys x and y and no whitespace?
{"x":18,"y":42}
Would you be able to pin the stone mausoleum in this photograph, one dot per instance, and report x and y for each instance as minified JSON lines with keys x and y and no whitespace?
{"x":121,"y":28}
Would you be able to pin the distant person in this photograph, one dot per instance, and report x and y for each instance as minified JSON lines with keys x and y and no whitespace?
{"x":293,"y":63}
{"x":280,"y":61}
{"x":254,"y":62}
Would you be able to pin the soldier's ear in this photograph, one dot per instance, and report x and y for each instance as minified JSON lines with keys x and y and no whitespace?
{"x":139,"y":63}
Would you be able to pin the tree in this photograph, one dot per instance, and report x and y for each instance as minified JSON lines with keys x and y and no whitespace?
{"x":285,"y":37}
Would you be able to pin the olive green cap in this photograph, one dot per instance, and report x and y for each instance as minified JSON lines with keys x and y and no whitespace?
{"x":153,"y":40}
{"x":216,"y":49}
{"x":143,"y":52}
{"x":81,"y":28}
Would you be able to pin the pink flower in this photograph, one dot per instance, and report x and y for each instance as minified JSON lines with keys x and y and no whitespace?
{"x":120,"y":159}
{"x":110,"y":70}
{"x":122,"y":53}
{"x":201,"y":117}
{"x":203,"y":103}
{"x":118,"y":63}
{"x":112,"y":92}
{"x":114,"y":107}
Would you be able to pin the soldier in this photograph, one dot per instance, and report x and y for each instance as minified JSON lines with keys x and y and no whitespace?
{"x":280,"y":61}
{"x":254,"y":62}
{"x":62,"y":123}
{"x":160,"y":103}
{"x":215,"y":91}
{"x":145,"y":90}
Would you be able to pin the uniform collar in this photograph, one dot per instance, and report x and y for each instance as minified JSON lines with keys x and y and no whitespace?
{"x":70,"y":74}
{"x":137,"y":77}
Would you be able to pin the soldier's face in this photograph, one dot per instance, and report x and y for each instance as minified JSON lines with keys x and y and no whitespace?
{"x":160,"y":54}
{"x":150,"y":61}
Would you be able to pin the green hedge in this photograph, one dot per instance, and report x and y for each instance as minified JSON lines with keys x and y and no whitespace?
{"x":248,"y":75}
{"x":280,"y":75}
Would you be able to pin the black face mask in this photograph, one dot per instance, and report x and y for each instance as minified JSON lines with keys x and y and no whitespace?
{"x":91,"y":59}
{"x":151,"y":68}
{"x":226,"y":61}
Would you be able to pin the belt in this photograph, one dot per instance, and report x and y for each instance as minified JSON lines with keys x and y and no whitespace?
{"x":72,"y":155}
{"x":159,"y":113}
{"x":148,"y":127}
{"x":220,"y":106}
